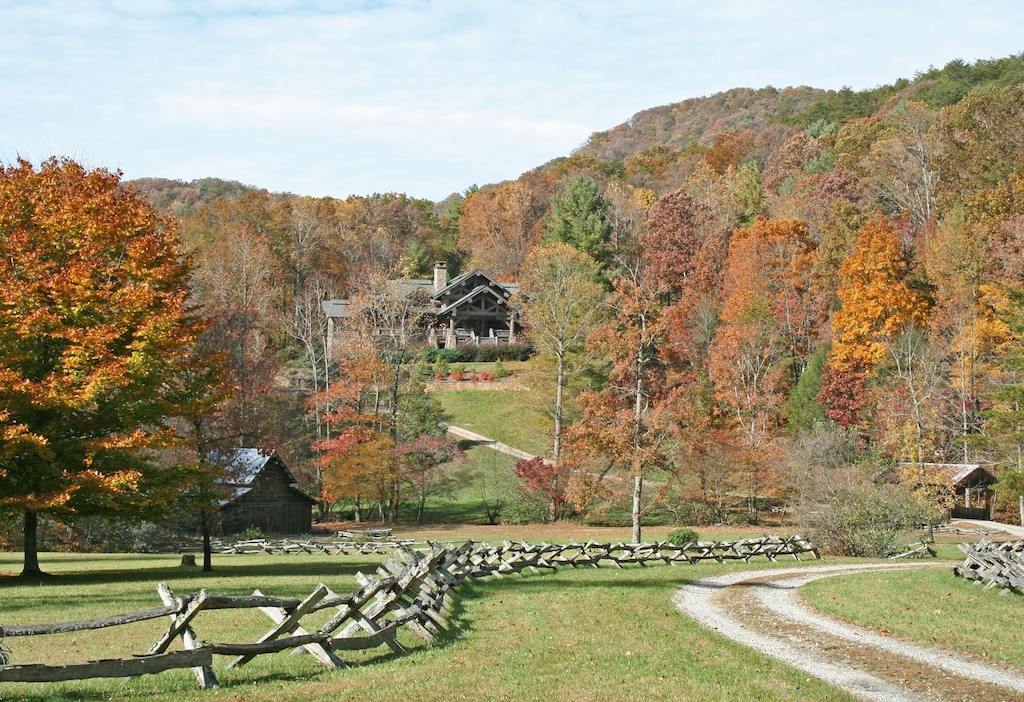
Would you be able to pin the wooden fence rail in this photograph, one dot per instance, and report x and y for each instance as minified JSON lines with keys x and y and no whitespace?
{"x":411,"y":589}
{"x":766,"y":546}
{"x":994,"y":564}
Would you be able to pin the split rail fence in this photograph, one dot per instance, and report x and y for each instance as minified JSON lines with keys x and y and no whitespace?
{"x":994,"y":564}
{"x":411,"y":589}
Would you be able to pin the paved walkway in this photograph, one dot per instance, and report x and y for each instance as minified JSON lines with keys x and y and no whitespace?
{"x":467,"y":435}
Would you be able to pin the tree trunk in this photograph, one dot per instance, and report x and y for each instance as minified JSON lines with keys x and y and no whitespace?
{"x":638,"y":414}
{"x":207,"y":550}
{"x":30,"y":567}
{"x":1020,"y":506}
{"x":556,"y":452}
{"x":638,"y":485}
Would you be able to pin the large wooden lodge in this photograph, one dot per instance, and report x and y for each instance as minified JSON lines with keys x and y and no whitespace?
{"x":471,"y":309}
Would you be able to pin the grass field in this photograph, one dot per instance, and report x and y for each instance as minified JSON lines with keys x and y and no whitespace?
{"x":928,"y":605}
{"x":586,"y":635}
{"x":498,"y":414}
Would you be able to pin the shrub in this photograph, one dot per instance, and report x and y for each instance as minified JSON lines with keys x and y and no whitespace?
{"x":432,"y":355}
{"x":477,"y":354}
{"x":442,"y":367}
{"x":500,"y":371}
{"x":681,"y":537}
{"x":491,"y":354}
{"x":251,"y":533}
{"x":866,"y":521}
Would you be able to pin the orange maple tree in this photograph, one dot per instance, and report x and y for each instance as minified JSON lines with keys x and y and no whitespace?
{"x":94,"y":329}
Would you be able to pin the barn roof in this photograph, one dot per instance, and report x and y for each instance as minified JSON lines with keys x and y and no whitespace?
{"x":245,"y":464}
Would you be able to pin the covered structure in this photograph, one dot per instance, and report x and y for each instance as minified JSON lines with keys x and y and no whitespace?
{"x":969,"y":484}
{"x":264,"y":494}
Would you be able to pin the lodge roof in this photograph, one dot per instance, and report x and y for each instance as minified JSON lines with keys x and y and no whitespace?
{"x":407,"y":287}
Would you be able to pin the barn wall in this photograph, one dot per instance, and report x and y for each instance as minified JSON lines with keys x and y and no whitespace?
{"x":272,"y":504}
{"x":272,"y":517}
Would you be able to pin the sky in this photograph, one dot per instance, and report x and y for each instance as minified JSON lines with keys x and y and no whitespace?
{"x":425,"y":97}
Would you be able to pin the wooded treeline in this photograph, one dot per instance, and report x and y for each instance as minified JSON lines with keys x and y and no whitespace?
{"x":796,"y":281}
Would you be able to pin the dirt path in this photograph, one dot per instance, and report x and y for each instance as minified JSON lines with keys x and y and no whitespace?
{"x":763,"y":610}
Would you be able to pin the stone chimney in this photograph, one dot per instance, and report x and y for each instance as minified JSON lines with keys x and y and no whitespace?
{"x":440,"y":275}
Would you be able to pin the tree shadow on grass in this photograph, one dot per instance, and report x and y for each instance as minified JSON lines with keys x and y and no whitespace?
{"x":323,"y":567}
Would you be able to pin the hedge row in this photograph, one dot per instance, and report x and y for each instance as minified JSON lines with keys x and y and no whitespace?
{"x":478,"y":354}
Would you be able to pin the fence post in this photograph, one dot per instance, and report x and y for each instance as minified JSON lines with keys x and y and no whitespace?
{"x":180,"y":626}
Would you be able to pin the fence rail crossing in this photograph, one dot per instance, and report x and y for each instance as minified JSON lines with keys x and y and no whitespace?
{"x":412,"y":589}
{"x":994,"y":564}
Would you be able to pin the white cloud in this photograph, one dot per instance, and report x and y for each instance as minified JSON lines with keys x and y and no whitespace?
{"x":425,"y":96}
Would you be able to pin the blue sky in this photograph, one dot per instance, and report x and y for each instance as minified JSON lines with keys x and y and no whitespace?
{"x":420,"y":96}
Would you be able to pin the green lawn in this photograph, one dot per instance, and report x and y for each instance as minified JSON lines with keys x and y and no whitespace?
{"x":584,"y":635}
{"x":931,"y":606}
{"x":503,"y":415}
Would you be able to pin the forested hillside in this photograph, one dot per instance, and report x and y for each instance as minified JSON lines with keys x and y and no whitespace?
{"x":803,"y":287}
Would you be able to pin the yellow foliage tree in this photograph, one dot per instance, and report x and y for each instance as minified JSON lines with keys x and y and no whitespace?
{"x":878,"y":301}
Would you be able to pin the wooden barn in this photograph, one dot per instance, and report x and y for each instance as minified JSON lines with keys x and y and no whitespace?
{"x":264,"y":494}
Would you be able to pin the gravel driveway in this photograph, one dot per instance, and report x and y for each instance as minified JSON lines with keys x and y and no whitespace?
{"x":762,"y":609}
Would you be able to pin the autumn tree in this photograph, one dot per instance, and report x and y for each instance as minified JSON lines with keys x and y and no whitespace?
{"x":94,"y":327}
{"x":763,"y":335}
{"x":422,"y":462}
{"x":619,"y":427}
{"x":734,"y":198}
{"x":910,"y":411}
{"x":627,"y":214}
{"x":497,"y":227}
{"x":672,"y":241}
{"x":983,"y":141}
{"x":1003,"y":433}
{"x":878,"y":300}
{"x":349,"y":417}
{"x":730,"y":148}
{"x":234,"y":283}
{"x":903,"y":166}
{"x":546,"y":479}
{"x":879,"y":304}
{"x":561,"y":306}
